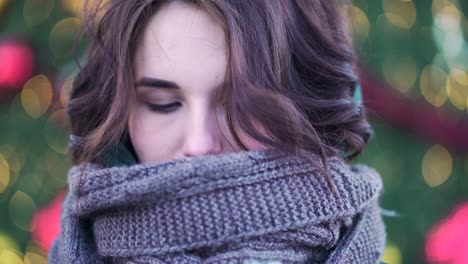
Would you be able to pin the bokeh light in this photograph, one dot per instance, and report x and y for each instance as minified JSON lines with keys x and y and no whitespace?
{"x":446,"y":15}
{"x":15,"y":160}
{"x":10,"y":257}
{"x":63,"y":35}
{"x":392,"y":254}
{"x":400,"y":13}
{"x":448,"y":33}
{"x":16,"y":65}
{"x":446,"y":241}
{"x":36,"y":12}
{"x":8,"y":243}
{"x":436,"y":165}
{"x":433,"y":83}
{"x":458,"y":82}
{"x":34,"y":258}
{"x":401,"y":73}
{"x":56,"y":131}
{"x":73,"y":6}
{"x":449,"y":43}
{"x":21,"y":209}
{"x":358,"y":22}
{"x":3,"y":4}
{"x":9,"y":250}
{"x":4,"y":173}
{"x":36,"y":96}
{"x":76,"y":6}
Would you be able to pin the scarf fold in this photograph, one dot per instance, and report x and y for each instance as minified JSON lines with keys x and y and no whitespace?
{"x":260,"y":205}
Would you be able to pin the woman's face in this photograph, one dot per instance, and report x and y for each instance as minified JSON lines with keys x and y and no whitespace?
{"x":180,"y":63}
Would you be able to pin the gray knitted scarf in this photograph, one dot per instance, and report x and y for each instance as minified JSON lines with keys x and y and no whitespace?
{"x":259,"y":206}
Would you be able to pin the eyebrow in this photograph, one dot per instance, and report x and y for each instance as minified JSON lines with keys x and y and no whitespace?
{"x":156,"y":83}
{"x":161,"y":84}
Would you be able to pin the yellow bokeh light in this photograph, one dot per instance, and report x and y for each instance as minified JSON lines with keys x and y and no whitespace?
{"x":401,"y":73}
{"x":14,"y":163}
{"x":34,"y":258}
{"x":63,"y":35}
{"x":35,"y":12}
{"x":436,"y":165}
{"x":76,"y":6}
{"x":358,"y":21}
{"x":433,"y":84}
{"x":36,"y":96}
{"x":21,"y":209}
{"x":10,"y":257}
{"x":8,"y":243}
{"x":400,"y":13}
{"x":3,"y":4}
{"x":73,"y":6}
{"x":460,"y":76}
{"x":4,"y":173}
{"x":392,"y":254}
{"x":10,"y":154}
{"x":56,"y":131}
{"x":458,"y":83}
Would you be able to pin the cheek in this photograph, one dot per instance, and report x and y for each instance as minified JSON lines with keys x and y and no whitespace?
{"x":153,"y":137}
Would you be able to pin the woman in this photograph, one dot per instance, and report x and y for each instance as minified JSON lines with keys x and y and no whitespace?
{"x":218,"y":131}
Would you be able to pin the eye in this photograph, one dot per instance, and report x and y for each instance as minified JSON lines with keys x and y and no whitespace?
{"x":166,"y":108}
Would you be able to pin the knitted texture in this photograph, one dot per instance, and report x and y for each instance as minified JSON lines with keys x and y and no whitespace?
{"x":258,"y":206}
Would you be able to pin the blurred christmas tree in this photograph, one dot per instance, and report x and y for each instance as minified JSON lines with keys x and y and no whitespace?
{"x":36,"y":39}
{"x":414,"y":74}
{"x":419,"y":49}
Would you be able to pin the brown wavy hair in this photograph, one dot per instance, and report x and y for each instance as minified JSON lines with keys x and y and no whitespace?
{"x":290,"y":67}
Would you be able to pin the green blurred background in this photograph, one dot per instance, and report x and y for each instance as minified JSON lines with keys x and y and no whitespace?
{"x":414,"y":76}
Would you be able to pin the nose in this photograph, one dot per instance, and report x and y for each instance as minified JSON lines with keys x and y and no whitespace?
{"x":202,"y":136}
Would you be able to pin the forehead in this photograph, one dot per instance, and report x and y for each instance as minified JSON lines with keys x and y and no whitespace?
{"x":183,"y":44}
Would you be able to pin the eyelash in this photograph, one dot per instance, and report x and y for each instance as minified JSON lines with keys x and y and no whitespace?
{"x":165,"y":109}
